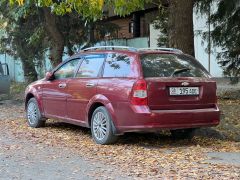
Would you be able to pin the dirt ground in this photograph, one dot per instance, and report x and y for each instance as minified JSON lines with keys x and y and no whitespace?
{"x":63,"y":151}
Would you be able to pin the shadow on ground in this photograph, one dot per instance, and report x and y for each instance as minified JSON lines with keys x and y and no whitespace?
{"x":146,"y":140}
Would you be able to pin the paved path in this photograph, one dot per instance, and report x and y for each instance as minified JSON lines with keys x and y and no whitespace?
{"x":224,"y":158}
{"x":20,"y":159}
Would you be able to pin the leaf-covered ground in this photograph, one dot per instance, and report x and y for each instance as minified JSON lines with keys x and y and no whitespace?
{"x":137,"y":156}
{"x":230,"y":119}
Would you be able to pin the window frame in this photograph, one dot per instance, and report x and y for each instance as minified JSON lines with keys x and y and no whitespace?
{"x":119,"y":53}
{"x":65,"y":62}
{"x":99,"y":75}
{"x":196,"y":63}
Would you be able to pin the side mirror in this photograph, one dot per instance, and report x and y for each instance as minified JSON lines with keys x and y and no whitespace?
{"x":49,"y":76}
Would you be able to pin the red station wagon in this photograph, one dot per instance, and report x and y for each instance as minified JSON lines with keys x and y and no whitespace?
{"x":114,"y":90}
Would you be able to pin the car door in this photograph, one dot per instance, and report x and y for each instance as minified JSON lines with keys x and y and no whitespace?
{"x":55,"y":90}
{"x":83,"y":87}
{"x":4,"y":79}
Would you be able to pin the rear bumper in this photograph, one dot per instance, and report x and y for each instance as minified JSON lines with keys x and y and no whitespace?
{"x":141,"y":118}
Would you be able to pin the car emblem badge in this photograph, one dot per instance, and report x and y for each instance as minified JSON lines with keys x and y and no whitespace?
{"x":185,"y":84}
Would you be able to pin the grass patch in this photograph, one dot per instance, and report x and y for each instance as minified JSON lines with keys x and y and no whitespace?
{"x":16,"y":92}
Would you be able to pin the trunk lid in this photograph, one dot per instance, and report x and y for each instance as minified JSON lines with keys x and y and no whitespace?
{"x":159,"y":96}
{"x":177,"y":81}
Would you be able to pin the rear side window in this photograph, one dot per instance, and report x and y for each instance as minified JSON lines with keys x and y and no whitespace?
{"x":167,"y":65}
{"x":90,"y":66}
{"x":117,"y":65}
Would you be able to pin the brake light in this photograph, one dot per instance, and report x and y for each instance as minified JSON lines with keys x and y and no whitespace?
{"x":139,"y":93}
{"x":216,"y":98}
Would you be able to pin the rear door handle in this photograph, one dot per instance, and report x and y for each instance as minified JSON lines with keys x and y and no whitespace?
{"x":90,"y":85}
{"x":62,"y":85}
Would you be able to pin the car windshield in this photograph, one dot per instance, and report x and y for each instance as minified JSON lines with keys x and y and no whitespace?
{"x":171,"y":65}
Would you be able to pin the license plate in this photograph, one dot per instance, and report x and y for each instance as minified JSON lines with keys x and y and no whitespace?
{"x":183,"y":91}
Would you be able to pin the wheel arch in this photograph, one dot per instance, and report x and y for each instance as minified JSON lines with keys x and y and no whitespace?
{"x":91,"y":110}
{"x":97,"y":101}
{"x":30,"y":95}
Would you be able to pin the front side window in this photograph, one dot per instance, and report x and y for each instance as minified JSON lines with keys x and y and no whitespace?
{"x":117,"y":65}
{"x":90,"y":66}
{"x":67,"y":70}
{"x":171,"y":65}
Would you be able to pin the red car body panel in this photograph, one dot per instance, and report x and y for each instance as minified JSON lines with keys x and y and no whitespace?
{"x":159,"y":97}
{"x":54,"y":99}
{"x":78,"y":97}
{"x":75,"y":101}
{"x":141,"y":118}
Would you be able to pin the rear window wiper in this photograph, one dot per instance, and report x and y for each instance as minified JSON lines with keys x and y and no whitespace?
{"x":177,"y":71}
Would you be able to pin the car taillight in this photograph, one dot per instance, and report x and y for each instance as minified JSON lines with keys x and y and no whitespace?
{"x":216,"y":98}
{"x":139,"y":93}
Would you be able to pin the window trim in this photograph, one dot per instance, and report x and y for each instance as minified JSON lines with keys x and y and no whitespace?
{"x":119,"y":54}
{"x":193,"y":59}
{"x":65,"y":62}
{"x":99,"y":75}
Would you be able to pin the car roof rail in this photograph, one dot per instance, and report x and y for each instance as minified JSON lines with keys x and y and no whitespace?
{"x":162,"y":49}
{"x":110,"y":48}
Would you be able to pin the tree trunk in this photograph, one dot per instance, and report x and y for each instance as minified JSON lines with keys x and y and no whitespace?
{"x":69,"y":49}
{"x":30,"y":73}
{"x":180,"y":25}
{"x":57,"y":40}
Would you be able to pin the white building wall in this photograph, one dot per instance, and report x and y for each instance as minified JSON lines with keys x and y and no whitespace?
{"x":200,"y":26}
{"x":154,"y":34}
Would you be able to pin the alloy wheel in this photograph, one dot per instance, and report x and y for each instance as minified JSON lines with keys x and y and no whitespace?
{"x":32,"y":113}
{"x":100,"y":126}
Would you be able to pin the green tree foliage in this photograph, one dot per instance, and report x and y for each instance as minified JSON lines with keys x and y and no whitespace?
{"x":161,"y":23}
{"x":63,"y":32}
{"x":175,"y":21}
{"x":30,"y":31}
{"x":226,"y":33}
{"x":179,"y":15}
{"x":76,"y":17}
{"x":90,"y":9}
{"x":20,"y":34}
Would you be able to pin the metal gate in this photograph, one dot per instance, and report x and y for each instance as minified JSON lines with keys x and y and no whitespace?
{"x":4,"y":79}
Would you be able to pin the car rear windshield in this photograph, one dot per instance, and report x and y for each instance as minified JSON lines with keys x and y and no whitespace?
{"x":171,"y":65}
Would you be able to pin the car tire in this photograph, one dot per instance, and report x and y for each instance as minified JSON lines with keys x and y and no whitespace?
{"x":102,"y":127}
{"x":34,"y":117}
{"x":183,"y":133}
